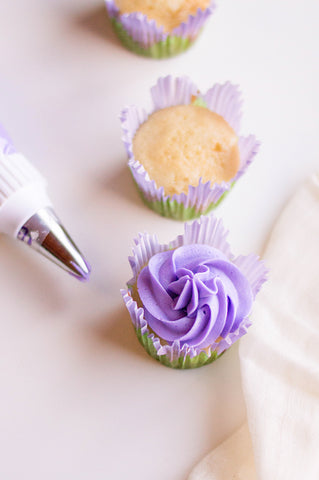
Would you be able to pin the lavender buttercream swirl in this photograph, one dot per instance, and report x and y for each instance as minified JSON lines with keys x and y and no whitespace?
{"x":193,"y":295}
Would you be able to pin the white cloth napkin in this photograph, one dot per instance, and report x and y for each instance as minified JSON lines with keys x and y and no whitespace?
{"x":280,"y":360}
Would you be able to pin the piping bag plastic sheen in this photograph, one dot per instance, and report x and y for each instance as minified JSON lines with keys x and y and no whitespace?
{"x":26,"y":212}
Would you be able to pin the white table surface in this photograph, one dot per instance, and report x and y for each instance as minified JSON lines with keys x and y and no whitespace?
{"x":80,"y":400}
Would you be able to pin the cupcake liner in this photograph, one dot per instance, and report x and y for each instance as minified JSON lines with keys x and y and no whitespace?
{"x":206,"y":230}
{"x":171,"y":46}
{"x":222,"y":99}
{"x":145,"y":37}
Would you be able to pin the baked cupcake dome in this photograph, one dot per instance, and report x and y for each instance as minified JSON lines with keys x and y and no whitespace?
{"x":190,"y":300}
{"x":148,"y":28}
{"x":179,"y":145}
{"x":201,"y":196}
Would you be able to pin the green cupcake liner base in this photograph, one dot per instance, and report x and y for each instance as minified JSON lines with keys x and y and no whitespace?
{"x":181,"y":363}
{"x":177,"y":211}
{"x":170,"y":47}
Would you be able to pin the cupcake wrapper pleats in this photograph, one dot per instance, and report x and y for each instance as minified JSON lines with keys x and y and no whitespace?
{"x":145,"y":37}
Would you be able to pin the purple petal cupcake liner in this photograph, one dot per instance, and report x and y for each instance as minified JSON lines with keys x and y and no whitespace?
{"x":140,"y":34}
{"x":223,"y":99}
{"x":208,"y":231}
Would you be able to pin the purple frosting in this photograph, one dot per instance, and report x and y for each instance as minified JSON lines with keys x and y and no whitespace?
{"x":194,"y":295}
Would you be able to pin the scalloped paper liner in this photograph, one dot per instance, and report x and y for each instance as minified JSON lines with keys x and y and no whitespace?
{"x":177,"y":211}
{"x":206,"y":230}
{"x":144,"y":37}
{"x":223,"y":99}
{"x":169,"y":47}
{"x":179,"y":362}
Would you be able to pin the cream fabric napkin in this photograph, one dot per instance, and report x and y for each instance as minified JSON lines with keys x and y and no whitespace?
{"x":280,"y":360}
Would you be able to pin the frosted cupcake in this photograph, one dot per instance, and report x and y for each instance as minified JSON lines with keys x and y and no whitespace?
{"x":158,"y":29}
{"x":187,"y":154}
{"x":190,"y":300}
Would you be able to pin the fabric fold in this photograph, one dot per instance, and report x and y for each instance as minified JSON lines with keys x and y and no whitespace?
{"x":280,"y":359}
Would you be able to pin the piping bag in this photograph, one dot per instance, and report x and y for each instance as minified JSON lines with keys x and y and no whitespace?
{"x":26,"y":212}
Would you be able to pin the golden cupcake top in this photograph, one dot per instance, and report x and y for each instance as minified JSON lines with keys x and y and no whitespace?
{"x":167,"y":13}
{"x":181,"y":144}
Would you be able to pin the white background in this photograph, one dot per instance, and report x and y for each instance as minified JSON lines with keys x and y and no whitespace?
{"x":80,"y":400}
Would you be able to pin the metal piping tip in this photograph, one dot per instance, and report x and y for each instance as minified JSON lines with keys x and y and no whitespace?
{"x":81,"y":273}
{"x":45,"y":233}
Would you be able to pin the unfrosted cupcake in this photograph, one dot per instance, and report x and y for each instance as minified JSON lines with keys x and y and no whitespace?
{"x":180,"y":144}
{"x":186,"y":155}
{"x":190,"y":300}
{"x":158,"y":29}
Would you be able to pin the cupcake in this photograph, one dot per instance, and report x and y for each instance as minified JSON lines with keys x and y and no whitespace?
{"x":158,"y":29}
{"x":190,"y":300}
{"x":187,"y":154}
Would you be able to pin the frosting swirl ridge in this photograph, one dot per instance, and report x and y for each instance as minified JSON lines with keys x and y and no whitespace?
{"x":193,"y":294}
